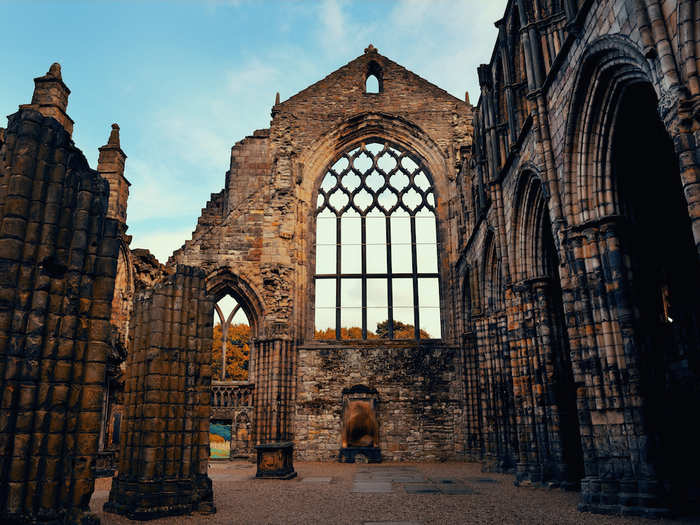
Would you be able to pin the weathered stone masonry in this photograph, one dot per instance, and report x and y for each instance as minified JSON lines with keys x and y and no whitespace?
{"x":58,"y":259}
{"x":568,"y":233}
{"x":260,"y":231}
{"x":580,"y":265}
{"x":165,"y":444}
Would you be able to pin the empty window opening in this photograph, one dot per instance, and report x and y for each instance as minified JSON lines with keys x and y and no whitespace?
{"x":372,"y":84}
{"x":376,"y":248}
{"x":231,"y":341}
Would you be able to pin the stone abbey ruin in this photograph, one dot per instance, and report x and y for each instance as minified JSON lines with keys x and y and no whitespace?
{"x":515,"y":283}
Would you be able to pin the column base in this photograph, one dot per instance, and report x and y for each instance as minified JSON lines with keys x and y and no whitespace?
{"x":347,"y":454}
{"x":275,"y":460}
{"x":75,"y":517}
{"x":628,"y":497}
{"x":147,"y":500}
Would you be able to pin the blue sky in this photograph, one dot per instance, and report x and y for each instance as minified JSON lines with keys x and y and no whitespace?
{"x":185,"y":80}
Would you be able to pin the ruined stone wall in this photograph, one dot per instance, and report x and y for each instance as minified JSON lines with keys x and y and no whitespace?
{"x":58,"y":260}
{"x":165,"y":439}
{"x":545,"y":264}
{"x":420,"y":399}
{"x":256,"y":239}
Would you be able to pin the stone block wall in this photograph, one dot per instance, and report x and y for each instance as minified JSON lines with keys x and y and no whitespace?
{"x":165,"y":437}
{"x":552,"y":294}
{"x":58,"y":259}
{"x":420,"y":399}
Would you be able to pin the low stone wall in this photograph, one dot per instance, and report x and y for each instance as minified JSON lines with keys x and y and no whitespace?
{"x":419,"y":410}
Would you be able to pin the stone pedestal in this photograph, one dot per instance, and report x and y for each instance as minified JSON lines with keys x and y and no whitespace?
{"x":347,"y":454}
{"x":275,"y":460}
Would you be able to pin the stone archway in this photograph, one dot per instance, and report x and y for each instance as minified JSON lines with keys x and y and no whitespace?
{"x":618,"y":287}
{"x":551,"y":448}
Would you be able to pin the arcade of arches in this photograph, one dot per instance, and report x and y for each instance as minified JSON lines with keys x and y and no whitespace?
{"x":515,"y":283}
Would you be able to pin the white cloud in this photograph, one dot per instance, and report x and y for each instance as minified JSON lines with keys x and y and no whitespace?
{"x":162,"y":243}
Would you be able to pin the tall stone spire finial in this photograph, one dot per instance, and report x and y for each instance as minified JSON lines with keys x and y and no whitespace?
{"x":55,"y":71}
{"x":111,"y":166}
{"x":50,"y":97}
{"x":114,"y":136}
{"x":277,"y":98}
{"x":370,"y":49}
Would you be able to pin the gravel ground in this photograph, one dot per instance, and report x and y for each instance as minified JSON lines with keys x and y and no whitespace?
{"x":420,"y":494}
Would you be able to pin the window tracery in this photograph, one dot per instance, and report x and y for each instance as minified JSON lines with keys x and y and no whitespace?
{"x":376,"y":247}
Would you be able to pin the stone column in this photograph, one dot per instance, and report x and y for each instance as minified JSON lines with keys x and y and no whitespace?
{"x":165,"y":438}
{"x":275,"y":391}
{"x":58,"y":258}
{"x":598,"y":304}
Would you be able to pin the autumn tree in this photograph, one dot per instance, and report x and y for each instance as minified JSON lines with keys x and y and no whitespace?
{"x":237,"y":352}
{"x":401,"y":330}
{"x":354,"y":332}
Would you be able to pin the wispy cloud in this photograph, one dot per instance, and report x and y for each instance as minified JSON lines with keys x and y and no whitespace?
{"x":162,"y":243}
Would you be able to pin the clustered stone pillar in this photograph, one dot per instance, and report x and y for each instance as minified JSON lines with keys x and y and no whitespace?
{"x":274,"y":399}
{"x":605,"y":360}
{"x":58,"y":258}
{"x":165,"y":440}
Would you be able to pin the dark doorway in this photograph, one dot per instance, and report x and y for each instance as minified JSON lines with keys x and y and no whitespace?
{"x":565,"y":387}
{"x":664,"y":282}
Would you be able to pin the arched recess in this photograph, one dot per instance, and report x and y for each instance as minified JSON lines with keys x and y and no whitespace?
{"x":224,"y":281}
{"x":536,"y":268}
{"x":531,"y":231}
{"x":610,"y":66}
{"x":492,"y":291}
{"x":623,"y":190}
{"x":406,"y":135}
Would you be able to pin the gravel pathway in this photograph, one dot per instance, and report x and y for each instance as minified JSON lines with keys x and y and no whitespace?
{"x":335,"y":493}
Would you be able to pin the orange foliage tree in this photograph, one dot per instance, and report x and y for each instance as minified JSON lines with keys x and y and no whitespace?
{"x":237,"y":352}
{"x":401,"y":331}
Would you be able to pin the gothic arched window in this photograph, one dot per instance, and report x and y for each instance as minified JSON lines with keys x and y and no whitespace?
{"x":376,"y":247}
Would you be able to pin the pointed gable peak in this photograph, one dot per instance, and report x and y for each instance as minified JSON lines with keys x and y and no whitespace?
{"x":350,"y":81}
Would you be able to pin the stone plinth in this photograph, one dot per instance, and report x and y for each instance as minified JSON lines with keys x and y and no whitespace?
{"x":348,"y":454}
{"x":275,"y":460}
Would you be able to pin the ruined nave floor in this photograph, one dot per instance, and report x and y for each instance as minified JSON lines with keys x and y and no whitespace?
{"x":388,"y":493}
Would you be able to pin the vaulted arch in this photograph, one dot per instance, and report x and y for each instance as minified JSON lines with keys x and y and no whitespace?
{"x":608,"y":69}
{"x":223,"y":281}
